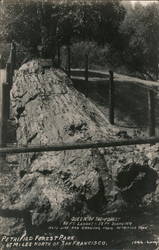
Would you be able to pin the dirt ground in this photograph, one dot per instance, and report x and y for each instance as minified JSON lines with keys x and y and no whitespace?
{"x":131,"y":103}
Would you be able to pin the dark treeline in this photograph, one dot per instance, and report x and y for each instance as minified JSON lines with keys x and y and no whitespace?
{"x":119,"y":35}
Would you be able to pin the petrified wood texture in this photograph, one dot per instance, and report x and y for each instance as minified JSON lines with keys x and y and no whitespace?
{"x":49,"y":110}
{"x":56,"y":185}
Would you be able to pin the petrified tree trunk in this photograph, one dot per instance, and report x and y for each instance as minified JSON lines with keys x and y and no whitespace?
{"x":56,"y":185}
{"x":50,"y":110}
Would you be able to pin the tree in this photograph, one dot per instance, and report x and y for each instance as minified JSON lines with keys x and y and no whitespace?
{"x":31,"y":25}
{"x":15,"y":19}
{"x":141,"y":31}
{"x":40,"y":24}
{"x":111,"y":14}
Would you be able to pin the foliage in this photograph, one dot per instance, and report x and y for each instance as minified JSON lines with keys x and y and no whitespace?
{"x":141,"y":39}
{"x":128,"y":36}
{"x":111,"y":15}
{"x":97,"y":55}
{"x":49,"y":24}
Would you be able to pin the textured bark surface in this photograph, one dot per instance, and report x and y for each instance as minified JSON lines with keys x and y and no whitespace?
{"x":53,"y":186}
{"x":49,"y":110}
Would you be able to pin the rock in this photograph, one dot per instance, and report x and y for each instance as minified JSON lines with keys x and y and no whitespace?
{"x":49,"y":110}
{"x":135,"y":173}
{"x":53,"y":186}
{"x":135,"y":181}
{"x":11,"y":226}
{"x":123,"y":134}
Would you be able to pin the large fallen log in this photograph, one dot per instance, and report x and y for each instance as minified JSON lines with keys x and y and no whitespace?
{"x":54,"y":186}
{"x":49,"y":110}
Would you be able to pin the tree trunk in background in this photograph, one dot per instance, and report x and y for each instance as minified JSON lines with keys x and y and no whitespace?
{"x":157,"y":65}
{"x":59,"y":54}
{"x":68,"y":60}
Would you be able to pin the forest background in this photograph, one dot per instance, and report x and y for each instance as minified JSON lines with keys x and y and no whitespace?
{"x":114,"y":34}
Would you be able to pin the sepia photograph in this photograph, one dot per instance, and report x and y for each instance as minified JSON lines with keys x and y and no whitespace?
{"x":79,"y":125}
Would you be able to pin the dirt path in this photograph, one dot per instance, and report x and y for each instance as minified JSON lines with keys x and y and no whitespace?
{"x":130,"y":100}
